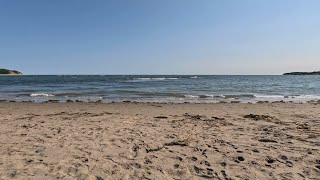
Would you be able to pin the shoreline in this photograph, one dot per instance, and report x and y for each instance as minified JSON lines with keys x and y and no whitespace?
{"x":314,"y":102}
{"x":159,"y":141}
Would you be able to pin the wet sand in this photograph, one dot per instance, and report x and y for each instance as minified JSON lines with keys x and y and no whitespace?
{"x":159,"y":141}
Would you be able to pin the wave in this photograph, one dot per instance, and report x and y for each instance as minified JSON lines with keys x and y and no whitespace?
{"x":170,"y":94}
{"x":56,"y":94}
{"x":221,"y":96}
{"x":206,"y":96}
{"x":237,"y":96}
{"x":201,"y":96}
{"x":68,"y":94}
{"x":149,"y":94}
{"x":159,"y":79}
{"x":269,"y":96}
{"x":288,"y":96}
{"x":252,"y":96}
{"x":41,"y":95}
{"x":191,"y":96}
{"x":172,"y":78}
{"x":241,"y":97}
{"x":304,"y":97}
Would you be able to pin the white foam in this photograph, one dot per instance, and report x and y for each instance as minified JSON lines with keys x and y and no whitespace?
{"x":209,"y":95}
{"x":191,"y":96}
{"x":269,"y":96}
{"x":307,"y":97}
{"x":142,"y":78}
{"x":158,"y":79}
{"x":287,"y":97}
{"x":41,"y":95}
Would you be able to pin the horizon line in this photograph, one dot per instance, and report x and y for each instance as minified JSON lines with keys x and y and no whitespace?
{"x":150,"y":74}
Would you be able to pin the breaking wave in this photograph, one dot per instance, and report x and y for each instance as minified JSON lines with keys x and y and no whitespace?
{"x":41,"y":95}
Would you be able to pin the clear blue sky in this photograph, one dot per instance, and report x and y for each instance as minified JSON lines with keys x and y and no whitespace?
{"x":160,"y":36}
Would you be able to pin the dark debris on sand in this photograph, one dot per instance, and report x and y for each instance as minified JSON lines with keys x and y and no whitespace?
{"x":259,"y":117}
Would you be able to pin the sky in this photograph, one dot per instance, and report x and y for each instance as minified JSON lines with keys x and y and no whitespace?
{"x":160,"y":36}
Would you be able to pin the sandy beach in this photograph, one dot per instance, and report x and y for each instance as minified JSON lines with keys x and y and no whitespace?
{"x":159,"y":141}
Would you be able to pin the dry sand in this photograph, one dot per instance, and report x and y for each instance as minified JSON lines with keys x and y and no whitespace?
{"x":159,"y":141}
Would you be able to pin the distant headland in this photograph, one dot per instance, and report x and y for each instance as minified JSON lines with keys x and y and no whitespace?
{"x":303,"y":73}
{"x":9,"y":72}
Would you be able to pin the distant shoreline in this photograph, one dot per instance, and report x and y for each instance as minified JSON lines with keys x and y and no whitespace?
{"x":9,"y":72}
{"x":303,"y":73}
{"x":12,"y":75}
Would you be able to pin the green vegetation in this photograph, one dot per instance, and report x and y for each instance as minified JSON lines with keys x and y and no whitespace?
{"x":6,"y":71}
{"x":303,"y":73}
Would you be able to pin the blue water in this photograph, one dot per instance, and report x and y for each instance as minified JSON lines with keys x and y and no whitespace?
{"x":175,"y":88}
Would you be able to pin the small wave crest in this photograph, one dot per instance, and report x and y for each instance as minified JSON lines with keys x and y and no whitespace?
{"x":69,"y":94}
{"x":191,"y":96}
{"x":55,"y":95}
{"x":41,"y":95}
{"x":269,"y":96}
{"x":287,"y":96}
{"x":158,"y":78}
{"x":221,"y":96}
{"x":194,"y":77}
{"x":238,"y":96}
{"x":308,"y":97}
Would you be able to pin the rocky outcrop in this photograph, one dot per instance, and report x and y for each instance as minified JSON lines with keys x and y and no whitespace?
{"x":10,"y":72}
{"x":303,"y":73}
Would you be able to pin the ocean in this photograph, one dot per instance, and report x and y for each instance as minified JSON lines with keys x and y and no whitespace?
{"x":160,"y":88}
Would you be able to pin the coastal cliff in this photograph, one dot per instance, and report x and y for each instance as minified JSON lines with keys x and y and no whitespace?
{"x":10,"y":72}
{"x":303,"y":73}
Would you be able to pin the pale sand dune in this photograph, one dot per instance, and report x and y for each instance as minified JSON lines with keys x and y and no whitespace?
{"x":159,"y":141}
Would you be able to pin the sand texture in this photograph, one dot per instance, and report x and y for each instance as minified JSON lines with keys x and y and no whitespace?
{"x":159,"y":141}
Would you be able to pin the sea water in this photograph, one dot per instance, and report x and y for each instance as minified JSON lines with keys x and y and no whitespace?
{"x":159,"y":88}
